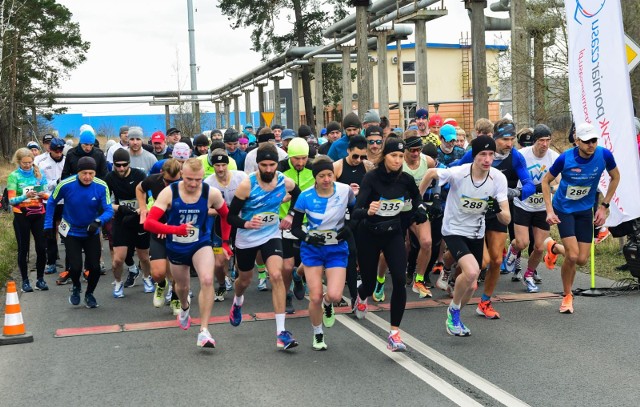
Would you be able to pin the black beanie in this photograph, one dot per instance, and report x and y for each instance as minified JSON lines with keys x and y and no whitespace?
{"x":482,"y":143}
{"x":351,"y":120}
{"x":392,"y":145}
{"x":87,"y":163}
{"x":304,"y":131}
{"x":333,"y":126}
{"x":121,"y":155}
{"x":540,"y":131}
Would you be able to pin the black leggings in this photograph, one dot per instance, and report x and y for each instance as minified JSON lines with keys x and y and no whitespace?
{"x":91,"y":245}
{"x":352,"y":263}
{"x":392,"y":245}
{"x":25,"y":226}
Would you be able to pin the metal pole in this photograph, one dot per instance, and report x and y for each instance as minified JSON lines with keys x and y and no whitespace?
{"x":195,"y":107}
{"x":422,"y":85}
{"x":399,"y":73}
{"x":236,"y":111}
{"x":276,"y":99}
{"x":383,"y":84}
{"x":218,"y":114}
{"x":319,"y":91}
{"x":261,"y":103}
{"x":227,"y":113}
{"x":295,"y":98}
{"x":167,"y":117}
{"x":372,"y":83}
{"x":247,"y":107}
{"x":347,"y":91}
{"x":479,"y":60}
{"x":520,"y":65}
{"x":364,"y":101}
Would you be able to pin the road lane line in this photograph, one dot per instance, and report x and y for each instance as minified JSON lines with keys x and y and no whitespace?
{"x":460,"y":371}
{"x":443,"y":387}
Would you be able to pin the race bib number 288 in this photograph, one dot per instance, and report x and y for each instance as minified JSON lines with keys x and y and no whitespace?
{"x":472,"y":205}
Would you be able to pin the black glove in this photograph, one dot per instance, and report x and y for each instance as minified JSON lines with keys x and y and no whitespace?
{"x":342,"y":233}
{"x":420,"y":215}
{"x":93,"y":227}
{"x":315,"y":240}
{"x":539,"y":189}
{"x":493,"y":207}
{"x":50,"y":234}
{"x":435,"y":209}
{"x":124,"y":210}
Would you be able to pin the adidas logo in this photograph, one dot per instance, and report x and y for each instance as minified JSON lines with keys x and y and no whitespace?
{"x":93,"y":199}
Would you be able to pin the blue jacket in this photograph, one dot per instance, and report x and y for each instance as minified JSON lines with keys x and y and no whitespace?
{"x":338,"y":149}
{"x":239,"y":156}
{"x":82,"y":205}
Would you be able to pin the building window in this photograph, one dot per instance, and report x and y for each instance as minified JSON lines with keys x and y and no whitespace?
{"x":409,"y":72}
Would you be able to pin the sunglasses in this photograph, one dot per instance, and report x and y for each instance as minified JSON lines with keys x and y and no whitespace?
{"x":590,"y":141}
{"x":120,"y":165}
{"x":170,"y":181}
{"x":358,"y":157}
{"x":415,"y":150}
{"x":372,"y":142}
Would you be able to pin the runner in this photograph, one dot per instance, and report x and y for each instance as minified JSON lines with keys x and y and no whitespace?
{"x":572,"y":205}
{"x":186,"y":204}
{"x":254,"y":211}
{"x":474,"y":189}
{"x":87,"y":206}
{"x":323,"y":246}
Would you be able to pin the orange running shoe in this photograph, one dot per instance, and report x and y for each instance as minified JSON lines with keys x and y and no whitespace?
{"x":63,"y":278}
{"x":437,"y":267}
{"x":602,"y":235}
{"x":567,"y":304}
{"x":486,"y":310}
{"x":421,"y":290}
{"x":550,"y":258}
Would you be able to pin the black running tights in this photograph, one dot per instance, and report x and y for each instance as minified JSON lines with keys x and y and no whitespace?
{"x":91,"y":246}
{"x":25,"y":226}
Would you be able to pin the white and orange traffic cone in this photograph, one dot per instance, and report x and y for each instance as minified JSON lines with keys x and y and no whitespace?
{"x":14,"y":330}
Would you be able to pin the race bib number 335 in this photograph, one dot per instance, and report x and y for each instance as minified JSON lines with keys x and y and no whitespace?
{"x":390,"y":207}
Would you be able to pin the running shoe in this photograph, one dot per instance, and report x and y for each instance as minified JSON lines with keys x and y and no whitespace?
{"x":41,"y":285}
{"x":486,"y":310}
{"x":74,"y":298}
{"x":421,"y":290}
{"x":530,"y":285}
{"x":536,"y":277}
{"x":454,"y":326}
{"x":515,"y":277}
{"x":169,"y":294}
{"x":298,"y":286}
{"x":175,"y":307}
{"x":158,"y":295}
{"x":26,"y":287}
{"x":262,"y":284}
{"x":118,"y":289}
{"x":131,"y":278}
{"x":90,"y":301}
{"x":228,"y":283}
{"x":328,"y":316}
{"x":63,"y":278}
{"x":378,"y":292}
{"x":288,"y":306}
{"x":205,"y":340}
{"x":360,"y":308}
{"x":602,"y":235}
{"x":85,"y":275}
{"x":50,"y":269}
{"x":285,"y":340}
{"x":509,"y":261}
{"x":103,"y":269}
{"x":342,"y":303}
{"x":395,"y":344}
{"x":184,"y":319}
{"x":318,"y":342}
{"x":220,"y":292}
{"x":567,"y":304}
{"x":235,"y":315}
{"x":550,"y":258}
{"x":147,"y":282}
{"x":437,"y":267}
{"x":443,"y":279}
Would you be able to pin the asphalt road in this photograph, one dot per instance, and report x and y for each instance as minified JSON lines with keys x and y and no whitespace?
{"x":533,"y":355}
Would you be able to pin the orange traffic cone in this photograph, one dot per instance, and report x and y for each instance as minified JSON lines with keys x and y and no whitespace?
{"x":13,"y":331}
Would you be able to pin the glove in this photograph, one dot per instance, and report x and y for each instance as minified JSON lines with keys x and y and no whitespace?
{"x":342,"y":233}
{"x":124,"y":210}
{"x":539,"y":189}
{"x":493,"y":207}
{"x":435,"y":209}
{"x":513,"y":193}
{"x":420,"y":215}
{"x":315,"y":240}
{"x":93,"y":227}
{"x":50,"y":234}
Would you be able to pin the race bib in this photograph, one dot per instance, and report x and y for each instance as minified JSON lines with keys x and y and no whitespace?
{"x":269,"y":218}
{"x":26,"y":190}
{"x":574,"y":193}
{"x":407,"y":205}
{"x":330,"y":236}
{"x":390,"y":207}
{"x":63,"y":228}
{"x":536,"y":201}
{"x":191,"y":237}
{"x":473,"y":205}
{"x":130,"y":203}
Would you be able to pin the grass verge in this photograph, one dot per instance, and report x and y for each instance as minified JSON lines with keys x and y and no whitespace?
{"x":8,"y":248}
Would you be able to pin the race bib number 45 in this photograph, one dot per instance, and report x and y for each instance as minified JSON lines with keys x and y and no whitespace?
{"x":390,"y":207}
{"x":472,"y":205}
{"x":574,"y":193}
{"x":191,"y":237}
{"x":269,"y":218}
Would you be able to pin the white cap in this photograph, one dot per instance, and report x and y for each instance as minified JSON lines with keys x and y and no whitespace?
{"x":586,"y":131}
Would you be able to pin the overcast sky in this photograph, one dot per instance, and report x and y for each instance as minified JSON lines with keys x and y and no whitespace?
{"x":144,"y":46}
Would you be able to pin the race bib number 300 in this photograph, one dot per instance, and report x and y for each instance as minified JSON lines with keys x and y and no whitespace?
{"x":536,"y":201}
{"x":390,"y":207}
{"x":574,"y":193}
{"x":191,"y":237}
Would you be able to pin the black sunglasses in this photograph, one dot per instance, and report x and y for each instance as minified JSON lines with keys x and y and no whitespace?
{"x":378,"y":142}
{"x":590,"y":141}
{"x":120,"y":164}
{"x":358,"y":157}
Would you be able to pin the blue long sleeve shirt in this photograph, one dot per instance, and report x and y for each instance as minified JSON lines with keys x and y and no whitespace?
{"x":82,"y":205}
{"x":338,"y":149}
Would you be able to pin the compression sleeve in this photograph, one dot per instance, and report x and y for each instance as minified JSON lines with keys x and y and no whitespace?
{"x":296,"y":225}
{"x":225,"y":228}
{"x":295,"y":192}
{"x":233,"y":216}
{"x":152,"y":224}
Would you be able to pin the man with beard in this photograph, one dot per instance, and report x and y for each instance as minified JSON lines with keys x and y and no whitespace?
{"x":422,"y":120}
{"x":373,"y":135}
{"x":352,"y":126}
{"x":200,"y":145}
{"x":254,"y":211}
{"x":140,"y":158}
{"x":160,"y":149}
{"x":85,"y":148}
{"x":126,"y":230}
{"x":333,"y":134}
{"x":448,"y":151}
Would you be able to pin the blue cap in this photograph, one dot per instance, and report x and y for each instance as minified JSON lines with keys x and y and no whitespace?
{"x":288,"y":134}
{"x":87,"y":137}
{"x":248,"y":126}
{"x":448,"y":132}
{"x":323,"y":131}
{"x":422,"y":113}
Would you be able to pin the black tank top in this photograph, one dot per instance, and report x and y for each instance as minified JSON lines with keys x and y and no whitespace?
{"x":351,"y":174}
{"x":506,"y":167}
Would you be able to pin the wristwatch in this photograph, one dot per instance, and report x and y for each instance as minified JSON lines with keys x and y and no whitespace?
{"x":606,"y":205}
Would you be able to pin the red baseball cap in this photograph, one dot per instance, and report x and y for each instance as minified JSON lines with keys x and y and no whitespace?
{"x":157,"y":137}
{"x":435,"y":120}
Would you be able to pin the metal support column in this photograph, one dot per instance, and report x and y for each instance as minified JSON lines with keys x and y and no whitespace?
{"x":422,"y":85}
{"x":295,"y":97}
{"x":479,"y":59}
{"x":218,"y":113}
{"x":247,"y":107}
{"x":167,"y":117}
{"x":276,"y":100}
{"x":383,"y":83}
{"x":236,"y":112}
{"x":347,"y":91}
{"x":319,"y":102}
{"x":261,"y":103}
